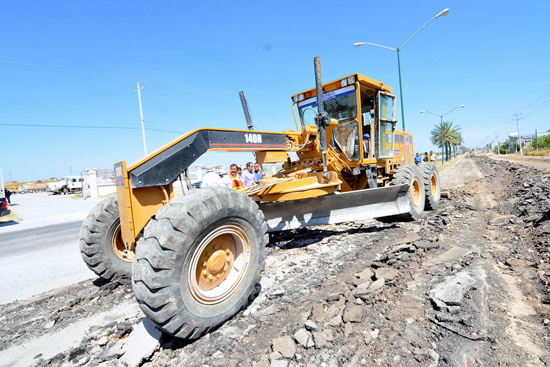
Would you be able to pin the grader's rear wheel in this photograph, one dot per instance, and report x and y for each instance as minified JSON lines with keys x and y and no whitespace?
{"x":101,"y":243}
{"x":431,"y":184}
{"x":199,"y":261}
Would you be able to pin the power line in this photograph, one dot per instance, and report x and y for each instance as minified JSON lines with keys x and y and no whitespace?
{"x":59,"y":67}
{"x":89,"y":127}
{"x":55,"y":67}
{"x":537,"y":109}
{"x":544,"y":94}
{"x":71,"y":126}
{"x":206,"y":100}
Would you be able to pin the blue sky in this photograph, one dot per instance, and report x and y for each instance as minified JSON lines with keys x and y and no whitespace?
{"x":74,"y":63}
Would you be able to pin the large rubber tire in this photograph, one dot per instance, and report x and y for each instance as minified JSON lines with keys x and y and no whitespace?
{"x":432,"y":185}
{"x":101,"y":243}
{"x":178,"y":249}
{"x":416,"y":196}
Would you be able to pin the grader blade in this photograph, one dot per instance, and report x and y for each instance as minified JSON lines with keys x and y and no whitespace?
{"x":336,"y":208}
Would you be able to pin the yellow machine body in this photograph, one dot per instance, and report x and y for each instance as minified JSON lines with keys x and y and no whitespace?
{"x":363,"y":151}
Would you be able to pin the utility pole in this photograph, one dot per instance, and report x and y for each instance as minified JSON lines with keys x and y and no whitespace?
{"x":518,"y":117}
{"x":141,"y":113}
{"x":537,"y":139}
{"x":498,"y":143}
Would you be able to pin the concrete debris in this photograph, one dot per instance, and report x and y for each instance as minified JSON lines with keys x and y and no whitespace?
{"x":451,"y":292}
{"x":353,"y":313}
{"x":285,"y":346}
{"x":279,"y":363}
{"x":311,"y":326}
{"x":304,"y":338}
{"x":141,"y":343}
{"x":388,"y":274}
{"x":376,"y":285}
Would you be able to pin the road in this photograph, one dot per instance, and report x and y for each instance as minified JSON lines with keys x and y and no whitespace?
{"x":33,"y":261}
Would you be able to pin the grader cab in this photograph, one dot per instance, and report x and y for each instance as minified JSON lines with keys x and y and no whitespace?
{"x":195,"y":259}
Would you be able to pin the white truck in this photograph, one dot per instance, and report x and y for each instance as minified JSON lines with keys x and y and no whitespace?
{"x":67,"y":184}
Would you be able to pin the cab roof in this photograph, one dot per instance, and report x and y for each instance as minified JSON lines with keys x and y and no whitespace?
{"x":335,"y":84}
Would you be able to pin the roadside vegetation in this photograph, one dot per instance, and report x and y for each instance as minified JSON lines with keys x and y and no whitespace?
{"x":538,"y":153}
{"x":447,"y":164}
{"x":448,"y":136}
{"x":542,"y":143}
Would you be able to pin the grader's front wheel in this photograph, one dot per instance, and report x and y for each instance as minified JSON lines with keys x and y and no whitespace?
{"x":431,"y":184}
{"x":199,"y":261}
{"x":410,"y":175}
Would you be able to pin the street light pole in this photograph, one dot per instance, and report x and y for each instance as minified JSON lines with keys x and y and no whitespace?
{"x":400,"y":90}
{"x":441,"y":126}
{"x":357,"y":44}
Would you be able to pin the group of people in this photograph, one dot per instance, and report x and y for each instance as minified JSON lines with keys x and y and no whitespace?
{"x":431,"y":157}
{"x":236,"y":178}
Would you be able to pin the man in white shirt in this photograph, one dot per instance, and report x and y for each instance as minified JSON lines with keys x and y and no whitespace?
{"x":211,"y":178}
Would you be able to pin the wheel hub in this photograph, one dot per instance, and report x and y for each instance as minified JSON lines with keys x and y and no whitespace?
{"x":219,"y":264}
{"x":216,"y":260}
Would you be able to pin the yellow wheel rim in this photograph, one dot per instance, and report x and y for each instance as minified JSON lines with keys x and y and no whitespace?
{"x":433,"y":184}
{"x":219,"y":264}
{"x":415,"y":193}
{"x":118,"y":246}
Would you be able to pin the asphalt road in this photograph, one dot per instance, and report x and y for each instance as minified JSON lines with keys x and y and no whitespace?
{"x":24,"y":241}
{"x":37,"y":260}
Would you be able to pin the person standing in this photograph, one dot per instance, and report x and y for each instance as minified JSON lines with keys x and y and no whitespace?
{"x":249,"y":178}
{"x":232,"y":180}
{"x":258,"y":172}
{"x":211,"y":178}
{"x":426,"y":157}
{"x":417,"y":159}
{"x":433,"y":156}
{"x":8,"y":195}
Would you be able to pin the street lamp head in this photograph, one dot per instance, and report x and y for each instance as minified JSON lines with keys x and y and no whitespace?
{"x":442,"y":13}
{"x":422,"y":111}
{"x":357,"y":44}
{"x":461,"y":106}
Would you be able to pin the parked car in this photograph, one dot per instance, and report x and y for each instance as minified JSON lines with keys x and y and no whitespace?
{"x":4,"y":210}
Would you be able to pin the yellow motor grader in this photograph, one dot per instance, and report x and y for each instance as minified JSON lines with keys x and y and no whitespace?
{"x":195,"y":259}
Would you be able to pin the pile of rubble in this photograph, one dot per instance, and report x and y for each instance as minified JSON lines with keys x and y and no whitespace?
{"x":528,"y":201}
{"x":361,"y":294}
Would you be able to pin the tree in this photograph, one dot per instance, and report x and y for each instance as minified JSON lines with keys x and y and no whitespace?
{"x":541,"y":142}
{"x":446,"y":135}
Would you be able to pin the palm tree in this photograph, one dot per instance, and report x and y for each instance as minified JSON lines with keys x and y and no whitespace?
{"x":456,"y":139}
{"x":446,"y":135}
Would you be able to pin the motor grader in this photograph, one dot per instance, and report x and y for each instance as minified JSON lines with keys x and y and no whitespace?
{"x":195,"y":259}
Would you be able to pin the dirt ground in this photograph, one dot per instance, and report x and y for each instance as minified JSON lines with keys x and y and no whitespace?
{"x":467,"y":285}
